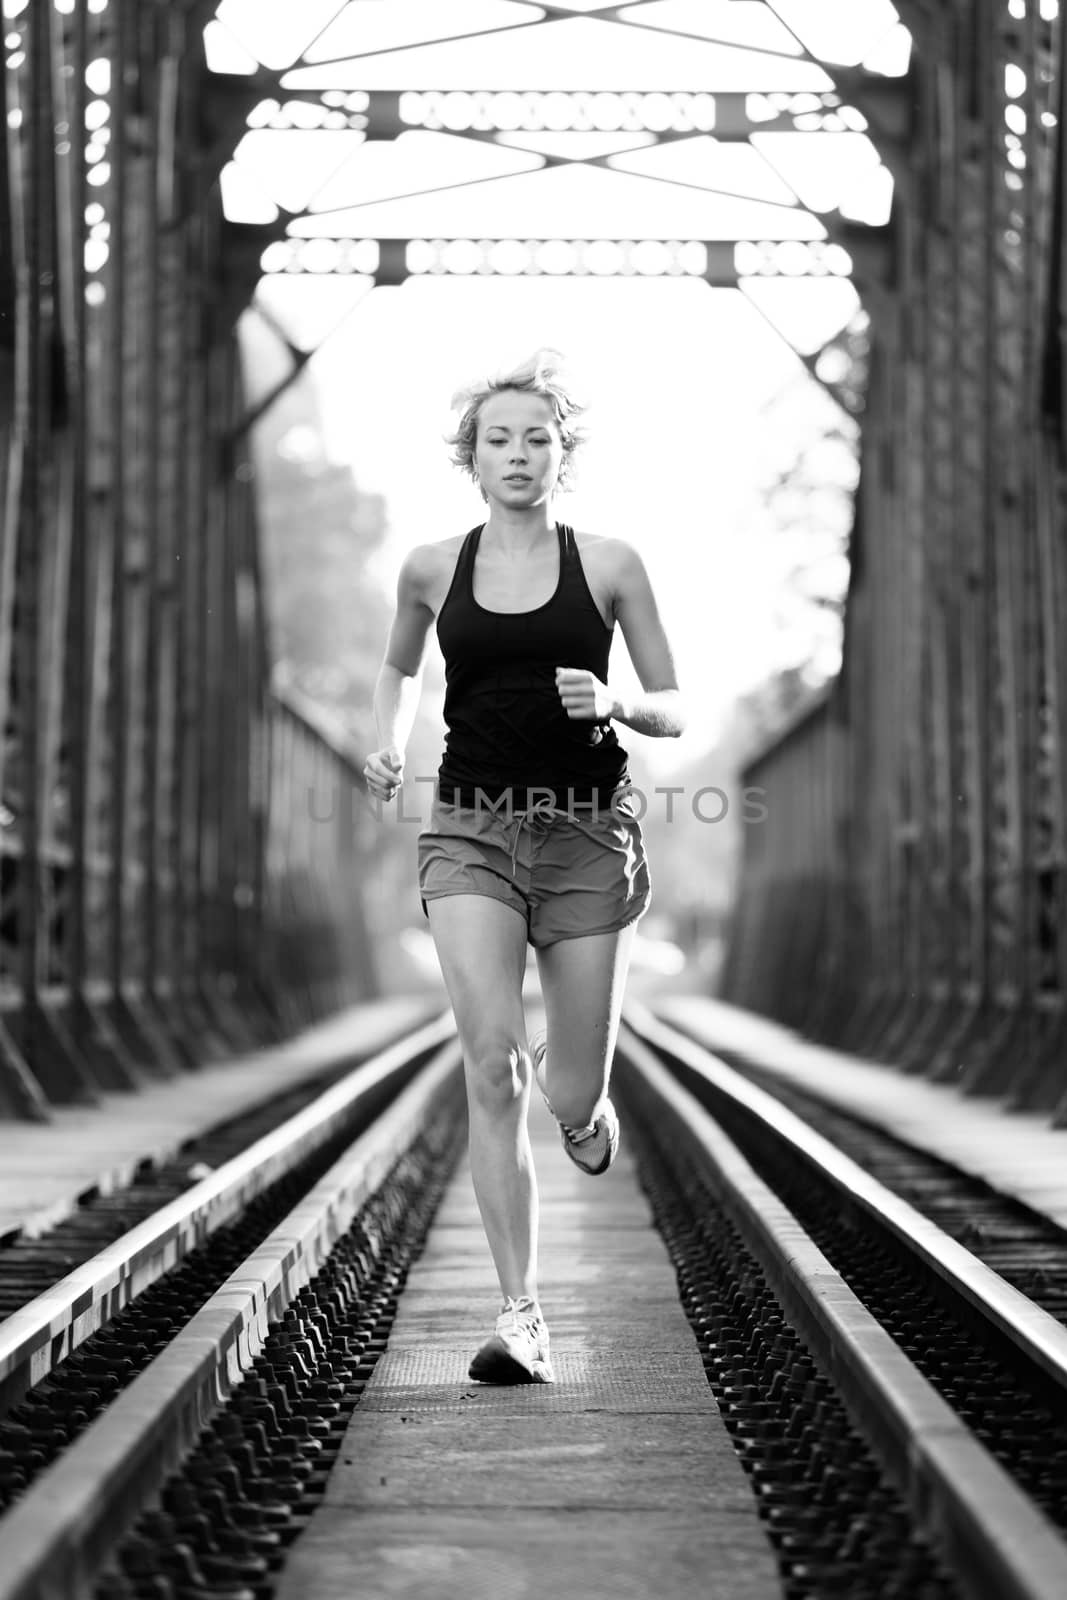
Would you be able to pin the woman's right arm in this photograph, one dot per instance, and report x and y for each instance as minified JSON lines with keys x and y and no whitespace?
{"x":396,"y":693}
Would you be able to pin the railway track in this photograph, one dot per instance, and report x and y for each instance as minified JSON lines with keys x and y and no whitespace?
{"x":171,"y":1411}
{"x":1023,"y":1246}
{"x":34,"y":1259}
{"x":69,"y":1350}
{"x":958,"y":1379}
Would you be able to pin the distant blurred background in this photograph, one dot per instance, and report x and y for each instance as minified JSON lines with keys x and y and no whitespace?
{"x":715,"y":445}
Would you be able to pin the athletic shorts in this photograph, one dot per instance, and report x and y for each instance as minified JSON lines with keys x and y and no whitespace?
{"x":568,"y":873}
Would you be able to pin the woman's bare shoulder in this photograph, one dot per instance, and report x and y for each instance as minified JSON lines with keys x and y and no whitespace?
{"x":435,"y":554}
{"x":607,"y":555}
{"x":427,"y":569}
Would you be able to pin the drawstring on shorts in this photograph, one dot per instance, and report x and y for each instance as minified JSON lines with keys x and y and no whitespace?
{"x":539,"y":818}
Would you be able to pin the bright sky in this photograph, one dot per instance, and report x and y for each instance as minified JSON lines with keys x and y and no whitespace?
{"x":678,"y":375}
{"x":675,"y":373}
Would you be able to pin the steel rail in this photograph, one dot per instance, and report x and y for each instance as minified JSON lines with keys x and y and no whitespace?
{"x":996,"y":1540}
{"x":70,"y":1521}
{"x":36,"y":1338}
{"x":1036,"y":1334}
{"x":56,"y":1538}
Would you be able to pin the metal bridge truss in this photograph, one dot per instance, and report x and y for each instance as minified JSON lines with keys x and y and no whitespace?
{"x":908,"y":895}
{"x":295,"y":243}
{"x":164,"y":888}
{"x":154,"y":832}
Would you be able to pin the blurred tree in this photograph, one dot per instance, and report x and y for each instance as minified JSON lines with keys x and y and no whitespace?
{"x":328,"y":618}
{"x":318,"y":531}
{"x":810,"y":475}
{"x":810,"y":471}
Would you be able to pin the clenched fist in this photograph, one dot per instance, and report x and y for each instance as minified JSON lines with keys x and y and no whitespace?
{"x":583,"y":695}
{"x":384,"y":772}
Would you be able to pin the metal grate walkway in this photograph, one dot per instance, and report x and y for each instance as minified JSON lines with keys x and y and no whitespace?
{"x":617,"y":1481}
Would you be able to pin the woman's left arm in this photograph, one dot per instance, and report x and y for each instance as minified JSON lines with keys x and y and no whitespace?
{"x":658,"y":710}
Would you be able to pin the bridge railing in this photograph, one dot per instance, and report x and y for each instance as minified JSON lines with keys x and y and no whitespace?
{"x":161,"y":878}
{"x":787,"y":932}
{"x":320,"y":842}
{"x":913,"y":906}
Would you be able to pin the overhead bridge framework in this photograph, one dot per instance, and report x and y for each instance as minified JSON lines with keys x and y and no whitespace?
{"x":163,"y":891}
{"x":908,"y":896}
{"x":294,"y":242}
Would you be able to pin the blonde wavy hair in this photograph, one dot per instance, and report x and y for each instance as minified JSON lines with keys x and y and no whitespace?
{"x":543,"y":374}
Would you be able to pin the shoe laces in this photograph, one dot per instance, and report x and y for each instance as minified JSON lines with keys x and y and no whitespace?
{"x":524,"y":1314}
{"x":581,"y":1135}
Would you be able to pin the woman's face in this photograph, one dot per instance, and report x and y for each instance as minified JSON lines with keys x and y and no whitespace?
{"x":518,"y":451}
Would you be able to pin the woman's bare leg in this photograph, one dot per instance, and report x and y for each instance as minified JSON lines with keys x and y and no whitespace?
{"x":582,"y":981}
{"x":481,"y":945}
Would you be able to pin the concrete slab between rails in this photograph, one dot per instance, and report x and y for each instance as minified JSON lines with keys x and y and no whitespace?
{"x":1015,"y":1152}
{"x":617,"y":1482}
{"x":46,"y":1167}
{"x":569,"y":1556}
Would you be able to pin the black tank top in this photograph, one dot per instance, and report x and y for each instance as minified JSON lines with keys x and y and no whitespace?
{"x":507,"y":730}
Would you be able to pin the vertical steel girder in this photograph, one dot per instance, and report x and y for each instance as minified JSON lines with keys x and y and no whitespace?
{"x":136,"y":787}
{"x":931,"y":787}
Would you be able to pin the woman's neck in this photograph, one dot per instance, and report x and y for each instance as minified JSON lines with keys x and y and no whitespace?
{"x":517,"y":530}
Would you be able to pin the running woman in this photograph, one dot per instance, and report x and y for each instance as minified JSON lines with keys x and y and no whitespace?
{"x":532,"y":836}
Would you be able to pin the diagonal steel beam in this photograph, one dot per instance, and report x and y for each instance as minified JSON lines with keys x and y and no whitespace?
{"x":609,"y":14}
{"x":499,"y":177}
{"x":210,"y":7}
{"x":402,"y":49}
{"x":300,"y":359}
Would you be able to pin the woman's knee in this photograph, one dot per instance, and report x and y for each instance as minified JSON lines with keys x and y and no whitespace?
{"x":498,"y":1075}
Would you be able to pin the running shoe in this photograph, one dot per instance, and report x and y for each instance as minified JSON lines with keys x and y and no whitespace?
{"x":518,"y":1351}
{"x":593,"y":1148}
